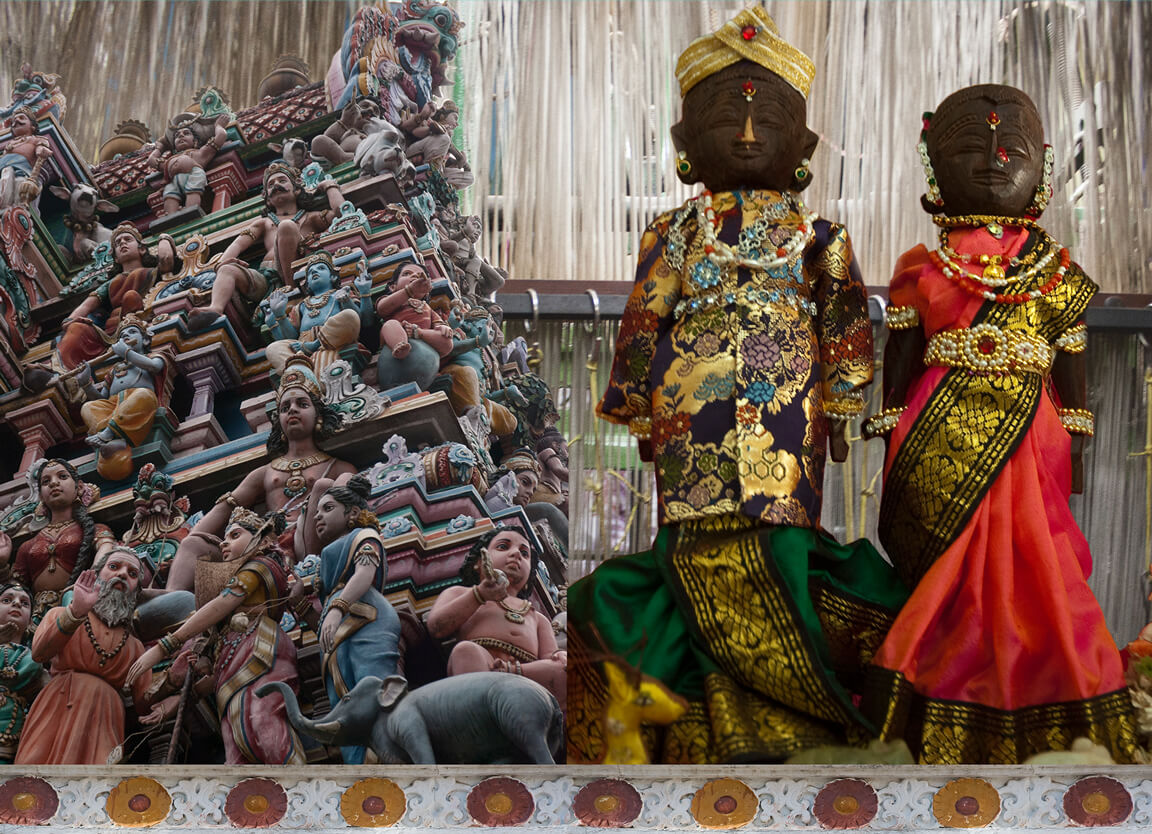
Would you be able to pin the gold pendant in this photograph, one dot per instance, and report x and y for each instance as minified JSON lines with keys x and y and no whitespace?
{"x":993,"y":272}
{"x":513,"y":617}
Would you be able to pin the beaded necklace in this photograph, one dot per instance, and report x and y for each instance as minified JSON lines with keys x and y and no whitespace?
{"x":105,"y":654}
{"x":749,"y":251}
{"x":969,"y":282}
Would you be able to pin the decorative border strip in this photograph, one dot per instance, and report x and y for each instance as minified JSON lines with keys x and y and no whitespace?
{"x":320,"y":799}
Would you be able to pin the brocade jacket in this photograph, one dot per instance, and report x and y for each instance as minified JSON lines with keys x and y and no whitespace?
{"x":734,"y":366}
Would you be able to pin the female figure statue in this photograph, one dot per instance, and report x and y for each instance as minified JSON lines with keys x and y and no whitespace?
{"x":359,"y":629}
{"x":1002,"y":650}
{"x":66,"y":538}
{"x":742,"y":350}
{"x":20,"y":675}
{"x":251,"y":649}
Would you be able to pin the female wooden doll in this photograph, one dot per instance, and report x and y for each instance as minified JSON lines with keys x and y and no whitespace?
{"x":742,"y":349}
{"x":1002,"y":650}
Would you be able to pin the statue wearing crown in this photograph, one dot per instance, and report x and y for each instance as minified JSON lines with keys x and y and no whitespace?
{"x":120,"y":411}
{"x":327,"y":317}
{"x":741,"y":356}
{"x":303,"y":421}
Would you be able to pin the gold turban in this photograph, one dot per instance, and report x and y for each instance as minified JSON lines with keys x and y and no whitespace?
{"x":752,"y":36}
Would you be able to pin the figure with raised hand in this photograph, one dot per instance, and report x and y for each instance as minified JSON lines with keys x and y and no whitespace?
{"x":79,"y":716}
{"x":65,"y":538}
{"x":492,"y":619}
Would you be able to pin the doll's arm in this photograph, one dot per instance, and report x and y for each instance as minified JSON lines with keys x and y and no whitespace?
{"x":648,"y":315}
{"x":1070,"y":379}
{"x":844,"y":330}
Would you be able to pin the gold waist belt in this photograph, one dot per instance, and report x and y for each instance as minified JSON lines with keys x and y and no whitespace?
{"x":986,"y":349}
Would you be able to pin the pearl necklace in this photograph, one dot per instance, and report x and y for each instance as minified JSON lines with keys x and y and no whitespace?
{"x":993,"y":274}
{"x":969,"y":282}
{"x":726,"y":256}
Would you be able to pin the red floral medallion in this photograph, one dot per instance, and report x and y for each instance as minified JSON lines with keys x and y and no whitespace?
{"x":607,"y":803}
{"x":1097,"y":800}
{"x":500,"y":801}
{"x":845,"y":803}
{"x":27,"y":801}
{"x":256,"y":803}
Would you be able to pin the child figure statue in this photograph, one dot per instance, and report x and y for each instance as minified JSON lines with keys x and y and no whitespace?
{"x":984,"y":386}
{"x":191,"y":144}
{"x":742,"y":349}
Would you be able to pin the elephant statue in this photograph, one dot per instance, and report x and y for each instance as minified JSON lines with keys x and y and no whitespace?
{"x":478,"y":718}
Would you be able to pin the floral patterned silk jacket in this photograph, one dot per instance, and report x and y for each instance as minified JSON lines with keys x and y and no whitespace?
{"x":735,"y":365}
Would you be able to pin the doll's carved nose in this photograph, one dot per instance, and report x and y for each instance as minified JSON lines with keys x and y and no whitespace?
{"x":748,"y":135}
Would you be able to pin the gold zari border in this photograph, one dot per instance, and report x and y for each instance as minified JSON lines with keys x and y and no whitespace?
{"x":954,"y":732}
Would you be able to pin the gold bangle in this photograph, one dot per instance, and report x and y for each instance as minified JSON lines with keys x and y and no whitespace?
{"x":228,"y":499}
{"x":640,"y":427}
{"x":340,"y":604}
{"x":1077,"y":421}
{"x":882,"y":423}
{"x":476,"y":594}
{"x":843,"y":408}
{"x":901,"y":318}
{"x":68,"y":622}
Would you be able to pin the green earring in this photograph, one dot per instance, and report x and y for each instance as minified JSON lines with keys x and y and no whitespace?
{"x":683,"y":166}
{"x":802,"y":171}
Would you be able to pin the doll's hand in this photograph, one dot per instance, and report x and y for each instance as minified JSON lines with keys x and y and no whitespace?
{"x":838,"y":441}
{"x":120,"y":349}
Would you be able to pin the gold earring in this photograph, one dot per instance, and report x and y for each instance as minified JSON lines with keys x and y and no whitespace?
{"x":683,"y":166}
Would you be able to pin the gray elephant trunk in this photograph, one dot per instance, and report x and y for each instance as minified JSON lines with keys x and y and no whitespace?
{"x":326,"y":732}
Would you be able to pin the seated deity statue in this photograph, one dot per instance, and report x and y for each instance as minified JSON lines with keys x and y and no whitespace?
{"x":327,"y":318}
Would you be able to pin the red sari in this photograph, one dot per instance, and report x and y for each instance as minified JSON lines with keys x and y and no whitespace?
{"x":1002,"y":650}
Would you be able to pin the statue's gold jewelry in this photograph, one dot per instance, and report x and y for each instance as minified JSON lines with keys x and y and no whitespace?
{"x":515,"y":615}
{"x":296,"y":483}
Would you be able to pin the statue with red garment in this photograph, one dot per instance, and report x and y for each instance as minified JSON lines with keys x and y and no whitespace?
{"x":87,"y":332}
{"x":985,"y":419}
{"x":65,"y":538}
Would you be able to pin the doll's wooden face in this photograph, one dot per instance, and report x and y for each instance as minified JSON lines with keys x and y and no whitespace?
{"x":986,"y":144}
{"x":744,"y":127}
